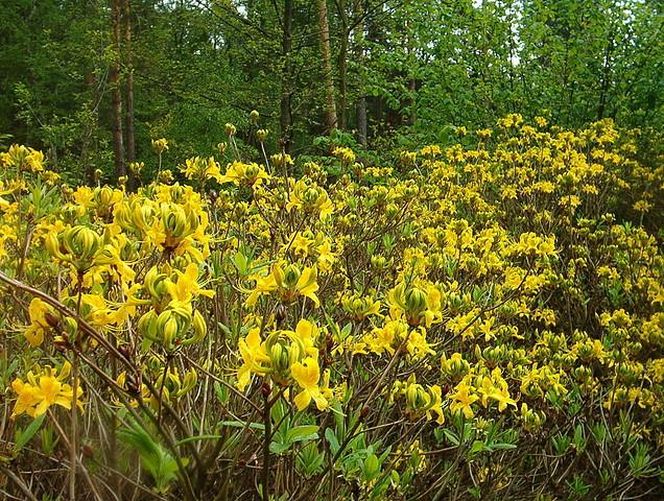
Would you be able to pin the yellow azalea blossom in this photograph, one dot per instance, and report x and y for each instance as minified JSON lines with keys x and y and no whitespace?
{"x":160,"y":145}
{"x":201,"y":169}
{"x":383,"y":339}
{"x":419,"y":305}
{"x":38,"y":311}
{"x":360,"y":307}
{"x":309,"y":198}
{"x":277,"y":353}
{"x":242,"y":174}
{"x":436,"y":404}
{"x":109,"y":256}
{"x":23,"y":158}
{"x":455,"y":366}
{"x":346,"y":155}
{"x":186,"y":288}
{"x":307,"y":333}
{"x":420,"y":400}
{"x":301,"y":245}
{"x":288,"y":283}
{"x":44,"y":390}
{"x":462,"y":399}
{"x":416,"y":344}
{"x":486,"y":387}
{"x":256,"y":359}
{"x":307,"y":374}
{"x":325,"y":257}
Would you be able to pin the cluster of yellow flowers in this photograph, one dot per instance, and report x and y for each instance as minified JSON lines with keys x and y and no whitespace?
{"x":286,"y":356}
{"x":44,"y":389}
{"x":490,"y":284}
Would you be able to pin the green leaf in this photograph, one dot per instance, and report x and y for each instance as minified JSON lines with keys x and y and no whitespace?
{"x":502,"y":446}
{"x":24,"y":436}
{"x":478,"y":446}
{"x":241,"y":262}
{"x":451,"y":437}
{"x":242,"y":424}
{"x":371,"y":467}
{"x":332,"y":440}
{"x":302,"y":433}
{"x":157,"y":460}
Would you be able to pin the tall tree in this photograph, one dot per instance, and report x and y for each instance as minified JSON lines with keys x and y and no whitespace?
{"x":129,"y":68}
{"x":116,"y":90}
{"x":324,"y":28}
{"x":285,"y":112}
{"x":361,"y":103}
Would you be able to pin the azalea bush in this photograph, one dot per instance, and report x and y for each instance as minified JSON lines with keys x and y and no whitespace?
{"x":484,"y":319}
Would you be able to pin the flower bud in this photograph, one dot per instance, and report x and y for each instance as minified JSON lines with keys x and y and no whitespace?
{"x":261,"y":135}
{"x":291,"y":276}
{"x":167,"y":328}
{"x":199,"y":325}
{"x":160,"y":145}
{"x":147,"y":325}
{"x":188,"y":383}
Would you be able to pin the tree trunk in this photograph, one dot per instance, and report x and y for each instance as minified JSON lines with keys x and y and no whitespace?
{"x":412,"y":89}
{"x":114,"y":77}
{"x":361,"y":110}
{"x":129,"y":118}
{"x":342,"y":64}
{"x":285,"y":116}
{"x":343,"y":80}
{"x":324,"y":28}
{"x":361,"y":103}
{"x":90,"y":130}
{"x":412,"y":83}
{"x":606,"y":78}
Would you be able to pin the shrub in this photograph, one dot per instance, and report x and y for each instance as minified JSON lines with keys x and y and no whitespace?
{"x":468,"y":322}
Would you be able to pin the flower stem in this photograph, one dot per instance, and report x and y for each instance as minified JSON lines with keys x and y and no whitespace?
{"x":73,"y":452}
{"x":267,"y":420}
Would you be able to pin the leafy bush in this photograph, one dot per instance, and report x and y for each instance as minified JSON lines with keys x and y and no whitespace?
{"x":464,"y":322}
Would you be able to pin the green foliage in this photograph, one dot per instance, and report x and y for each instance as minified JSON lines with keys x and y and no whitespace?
{"x":155,"y":458}
{"x":416,"y":68}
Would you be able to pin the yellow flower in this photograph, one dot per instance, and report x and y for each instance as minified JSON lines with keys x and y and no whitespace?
{"x":325,"y":256}
{"x":201,"y":169}
{"x":43,"y":391}
{"x":186,"y":288}
{"x":306,"y":333}
{"x":288,"y":283}
{"x":240,"y":173}
{"x":309,"y":199}
{"x":360,"y":307}
{"x":417,"y":345}
{"x":77,"y":245}
{"x":24,"y":158}
{"x":642,"y":206}
{"x":346,"y":155}
{"x":420,"y":305}
{"x":436,"y":404}
{"x":380,"y":340}
{"x":420,"y":400}
{"x":109,"y":257}
{"x":37,"y":310}
{"x":256,"y":359}
{"x":27,"y":398}
{"x":462,"y":400}
{"x":488,"y":390}
{"x":160,"y":145}
{"x":307,"y":374}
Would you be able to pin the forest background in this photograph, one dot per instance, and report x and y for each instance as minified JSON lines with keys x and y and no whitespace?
{"x":91,"y":82}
